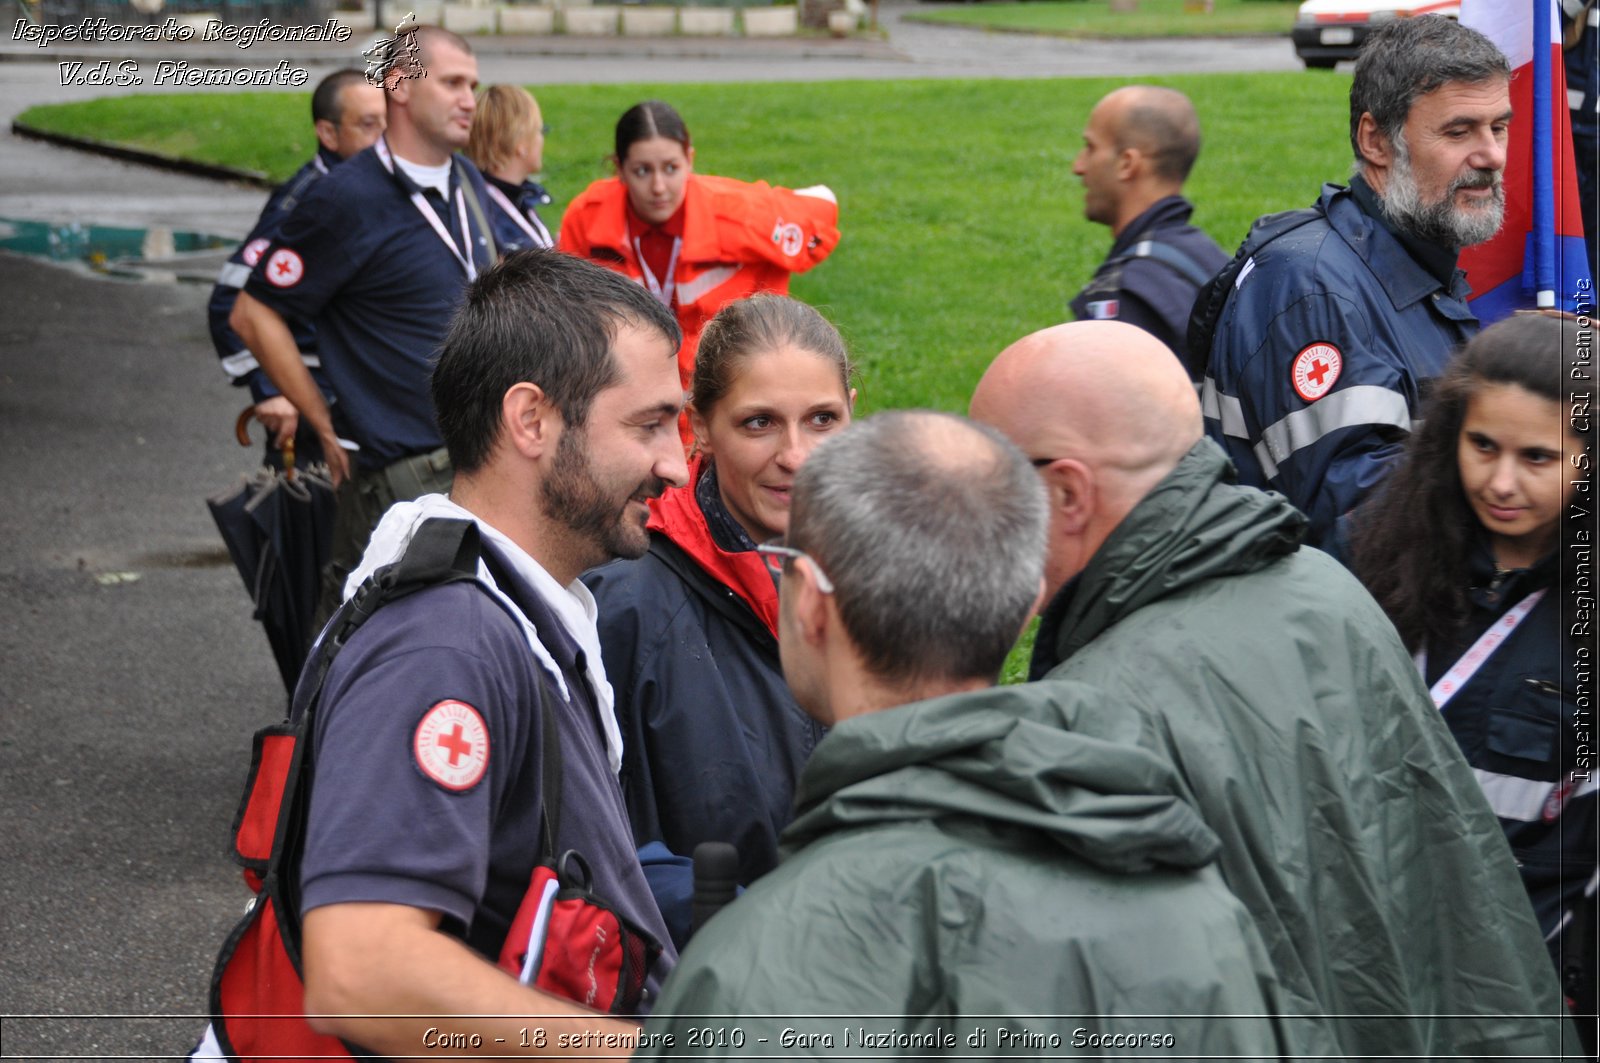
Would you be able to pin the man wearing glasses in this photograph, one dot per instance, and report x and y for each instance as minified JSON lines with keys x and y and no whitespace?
{"x":958,"y":853}
{"x":348,"y":114}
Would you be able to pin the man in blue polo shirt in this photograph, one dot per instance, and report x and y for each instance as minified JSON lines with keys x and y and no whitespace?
{"x":347,"y":113}
{"x":376,"y":255}
{"x":558,"y":395}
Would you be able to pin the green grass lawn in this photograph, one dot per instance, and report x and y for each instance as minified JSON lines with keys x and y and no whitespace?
{"x":1094,"y":18}
{"x":963,"y":225}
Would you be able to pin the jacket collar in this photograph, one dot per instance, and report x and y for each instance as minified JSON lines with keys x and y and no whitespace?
{"x":1168,"y":213}
{"x":1404,"y":279}
{"x":678,"y":516}
{"x":1045,"y":758}
{"x":527,"y":194}
{"x":1195,"y":525}
{"x":609,"y":227}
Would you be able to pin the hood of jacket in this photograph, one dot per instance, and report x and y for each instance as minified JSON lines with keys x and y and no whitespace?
{"x":1196,"y":524}
{"x":1007,"y":758}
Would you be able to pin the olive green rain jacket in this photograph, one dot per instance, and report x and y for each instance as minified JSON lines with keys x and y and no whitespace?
{"x":969,"y":876}
{"x":1351,"y":827}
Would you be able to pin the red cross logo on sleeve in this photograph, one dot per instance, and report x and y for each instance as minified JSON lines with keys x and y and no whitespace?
{"x":451,"y":745}
{"x":253,"y":250}
{"x":284,"y":269}
{"x":1315,"y":370}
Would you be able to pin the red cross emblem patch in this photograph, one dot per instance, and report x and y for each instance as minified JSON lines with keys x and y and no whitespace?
{"x":284,"y":268}
{"x":253,"y":250}
{"x":1316,"y":369}
{"x":451,"y":745}
{"x":789,"y":238}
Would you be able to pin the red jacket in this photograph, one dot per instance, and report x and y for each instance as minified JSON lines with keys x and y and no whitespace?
{"x":738,"y":239}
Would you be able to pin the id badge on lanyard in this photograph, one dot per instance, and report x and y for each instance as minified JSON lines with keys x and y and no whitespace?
{"x":662,"y":291}
{"x":465,"y":261}
{"x":1479,"y":652}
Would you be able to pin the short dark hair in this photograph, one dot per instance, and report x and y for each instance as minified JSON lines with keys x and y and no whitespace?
{"x":541,"y":317}
{"x":936,"y":553}
{"x":325,"y":104}
{"x":758,"y":325}
{"x":646,"y":121}
{"x":1411,"y":57}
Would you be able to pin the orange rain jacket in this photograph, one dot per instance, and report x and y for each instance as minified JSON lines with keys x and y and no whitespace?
{"x":738,"y":239}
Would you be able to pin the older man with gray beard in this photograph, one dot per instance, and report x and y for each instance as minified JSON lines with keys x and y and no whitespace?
{"x":1324,"y":331}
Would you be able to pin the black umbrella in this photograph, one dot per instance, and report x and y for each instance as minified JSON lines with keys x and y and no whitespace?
{"x":278,"y":527}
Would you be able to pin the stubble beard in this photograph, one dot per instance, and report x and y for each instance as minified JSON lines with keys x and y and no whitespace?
{"x":573,"y":497}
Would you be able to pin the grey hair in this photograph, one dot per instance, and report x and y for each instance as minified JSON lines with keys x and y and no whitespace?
{"x":1411,"y":57}
{"x":932,"y":529}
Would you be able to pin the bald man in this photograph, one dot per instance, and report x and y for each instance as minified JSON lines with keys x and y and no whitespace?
{"x":1351,"y":827}
{"x":1138,"y":148}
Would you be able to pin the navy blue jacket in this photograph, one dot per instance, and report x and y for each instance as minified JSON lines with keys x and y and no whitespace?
{"x":237,"y":361}
{"x":511,"y":229}
{"x":1322,"y":355}
{"x":1134,"y":284}
{"x":1519,"y":726}
{"x":713,"y":742}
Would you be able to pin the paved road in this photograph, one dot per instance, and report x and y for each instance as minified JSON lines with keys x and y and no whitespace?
{"x":131,"y":673}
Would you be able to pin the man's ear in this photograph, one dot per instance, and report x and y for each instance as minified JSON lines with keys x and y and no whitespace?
{"x":397,"y":85}
{"x":1039,"y":601}
{"x":529,"y":423}
{"x":810,"y":608}
{"x":1373,"y":143}
{"x":327,"y":134}
{"x":1074,"y":494}
{"x":1130,"y":164}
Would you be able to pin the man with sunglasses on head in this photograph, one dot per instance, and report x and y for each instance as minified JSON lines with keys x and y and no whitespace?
{"x":959,"y":853}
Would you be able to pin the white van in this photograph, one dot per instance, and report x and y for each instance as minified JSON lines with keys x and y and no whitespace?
{"x":1326,"y":31}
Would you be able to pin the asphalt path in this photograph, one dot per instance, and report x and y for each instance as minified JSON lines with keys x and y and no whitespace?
{"x":131,"y":672}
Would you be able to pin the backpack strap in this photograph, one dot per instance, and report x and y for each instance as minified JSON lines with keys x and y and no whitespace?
{"x":548,"y":734}
{"x":259,"y":965}
{"x":1214,"y":293}
{"x":478,"y":216}
{"x":441,"y":551}
{"x":1174,"y":258}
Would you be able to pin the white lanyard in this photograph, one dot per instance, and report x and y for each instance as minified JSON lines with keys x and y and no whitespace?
{"x":432,"y":217}
{"x":322,"y":167}
{"x":663,"y":294}
{"x":1480,"y":651}
{"x":540,"y":235}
